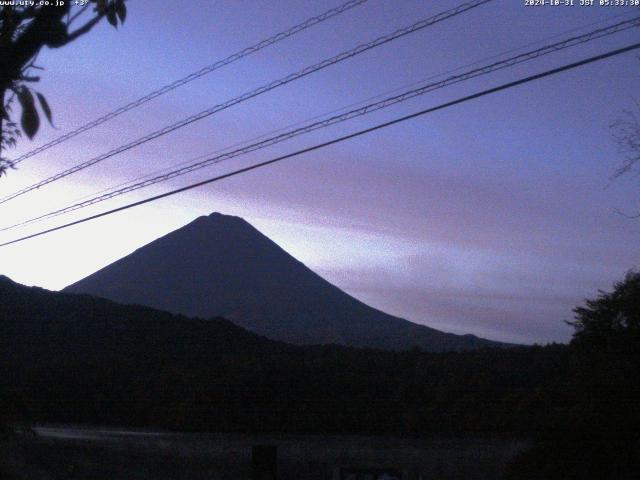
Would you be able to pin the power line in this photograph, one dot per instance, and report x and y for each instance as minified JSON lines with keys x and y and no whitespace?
{"x":384,"y":103}
{"x":265,"y":88}
{"x":310,"y":22}
{"x":255,"y":166}
{"x":343,"y":108}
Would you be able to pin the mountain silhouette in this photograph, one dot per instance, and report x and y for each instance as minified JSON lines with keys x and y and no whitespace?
{"x":37,"y":324}
{"x":221,"y":266}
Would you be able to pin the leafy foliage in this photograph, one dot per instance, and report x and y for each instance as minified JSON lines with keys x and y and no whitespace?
{"x":24,"y":31}
{"x":611,"y":316}
{"x":8,"y":134}
{"x":30,"y":120}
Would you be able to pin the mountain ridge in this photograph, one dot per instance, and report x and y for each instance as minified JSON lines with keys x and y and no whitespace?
{"x":37,"y":323}
{"x":220,"y":265}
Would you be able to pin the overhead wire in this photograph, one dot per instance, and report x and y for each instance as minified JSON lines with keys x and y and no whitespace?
{"x":345,"y":107}
{"x":310,"y":22}
{"x":366,"y":109}
{"x":334,"y":141}
{"x":421,"y":24}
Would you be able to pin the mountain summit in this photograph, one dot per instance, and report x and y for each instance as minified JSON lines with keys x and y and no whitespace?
{"x":220,"y":265}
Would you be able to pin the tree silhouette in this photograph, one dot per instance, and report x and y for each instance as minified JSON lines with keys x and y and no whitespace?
{"x":24,"y":31}
{"x":626,"y":132}
{"x":611,"y":316}
{"x":594,"y":431}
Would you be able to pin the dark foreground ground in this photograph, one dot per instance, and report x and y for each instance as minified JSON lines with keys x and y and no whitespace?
{"x":87,"y":454}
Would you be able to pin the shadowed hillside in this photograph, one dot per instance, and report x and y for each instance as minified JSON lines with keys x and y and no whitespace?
{"x":79,"y":359}
{"x":82,"y":359}
{"x":222,"y":266}
{"x":38,"y":325}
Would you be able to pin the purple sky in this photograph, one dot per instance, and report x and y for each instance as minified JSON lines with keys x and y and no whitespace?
{"x":495,"y":217}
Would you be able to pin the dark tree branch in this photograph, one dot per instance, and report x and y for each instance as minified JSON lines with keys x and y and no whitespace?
{"x":626,"y":132}
{"x":626,"y":215}
{"x":29,"y":78}
{"x":86,"y":28}
{"x":46,"y":28}
{"x":77,"y":14}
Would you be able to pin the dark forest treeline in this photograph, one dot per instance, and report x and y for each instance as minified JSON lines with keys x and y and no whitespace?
{"x":324,"y":389}
{"x":75,"y":358}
